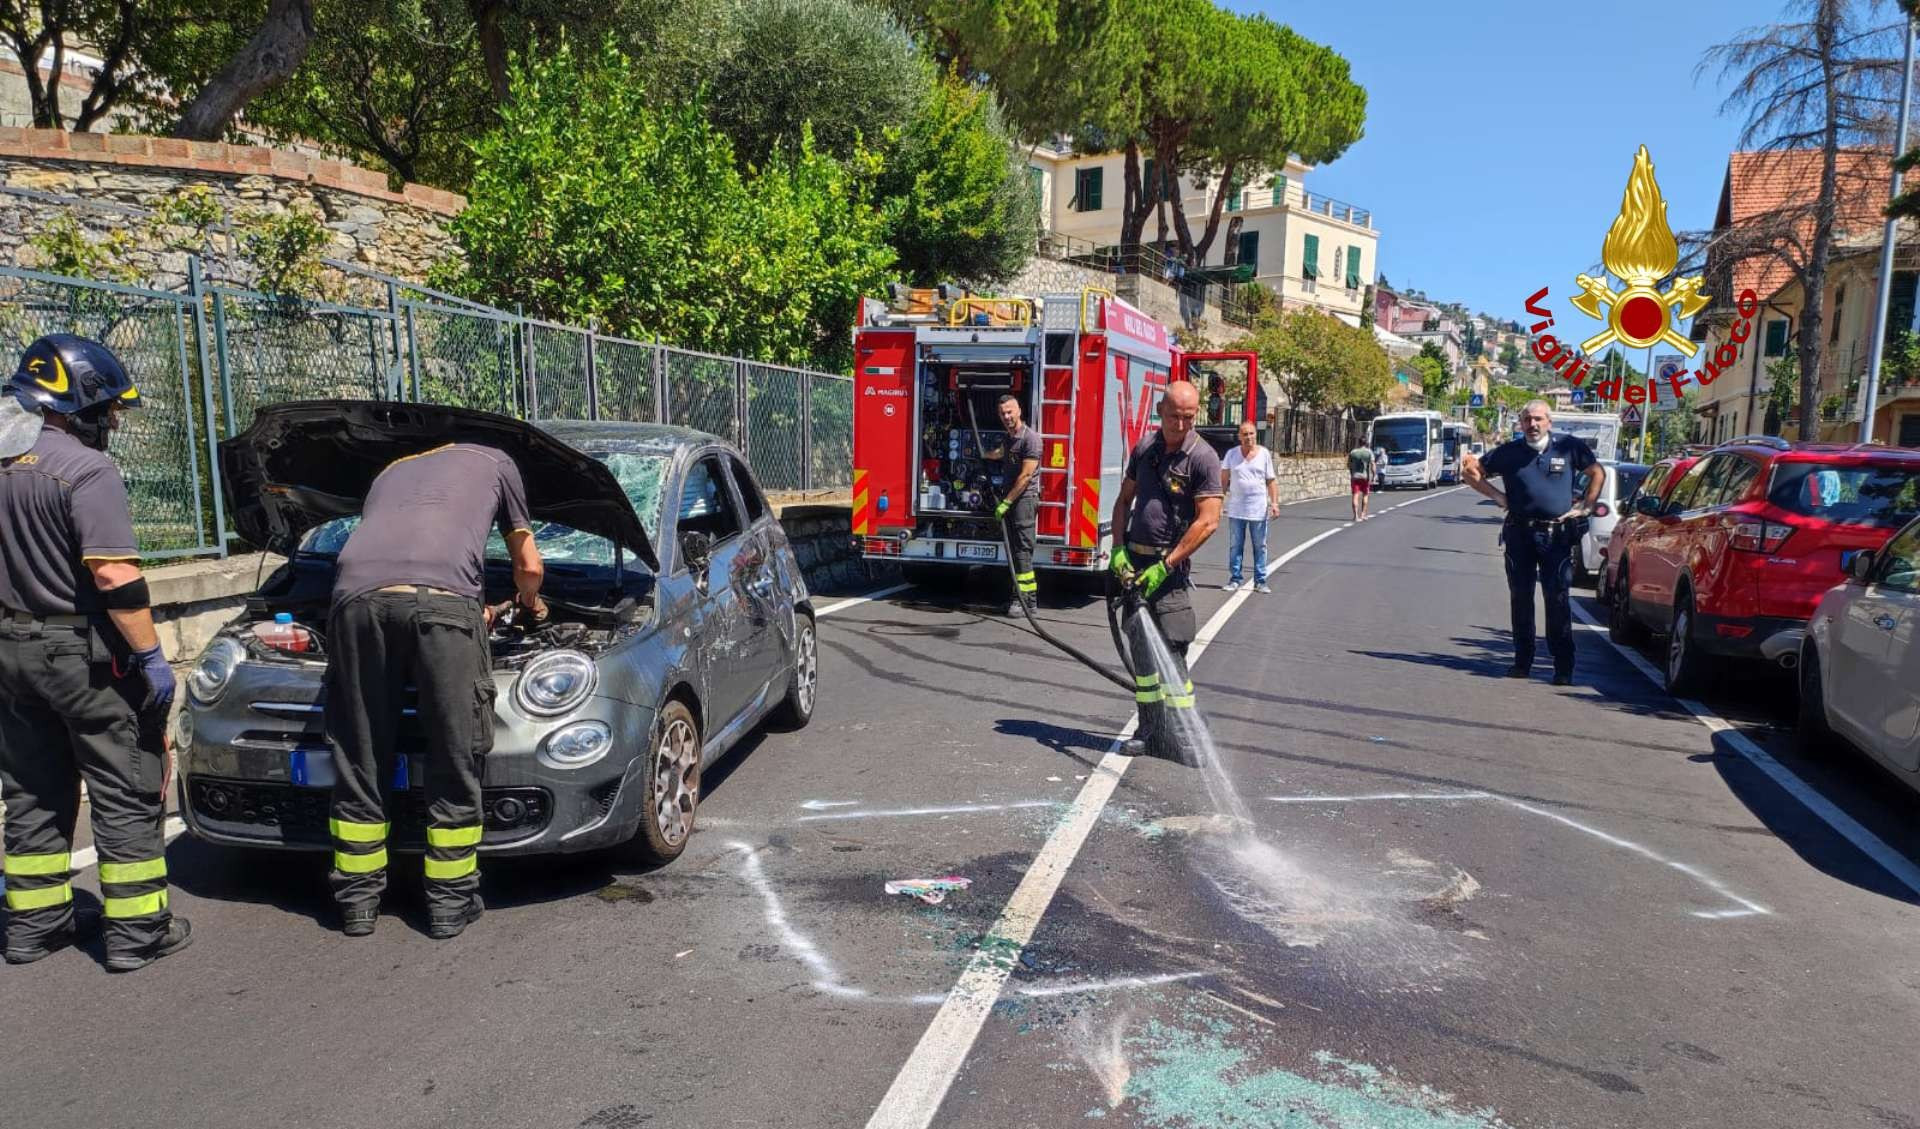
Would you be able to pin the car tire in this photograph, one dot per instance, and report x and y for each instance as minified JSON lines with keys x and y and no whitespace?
{"x":1816,"y":737}
{"x":1686,"y":669}
{"x":1622,"y":628}
{"x":672,"y":784}
{"x":803,"y":683}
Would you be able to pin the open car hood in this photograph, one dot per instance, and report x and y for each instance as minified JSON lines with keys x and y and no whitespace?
{"x":308,"y":462}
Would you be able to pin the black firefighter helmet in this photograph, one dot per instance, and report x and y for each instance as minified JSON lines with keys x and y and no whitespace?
{"x":76,"y":376}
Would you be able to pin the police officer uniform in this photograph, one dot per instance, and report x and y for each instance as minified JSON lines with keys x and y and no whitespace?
{"x":408,"y":611}
{"x":1167,"y":486}
{"x":1539,"y":545}
{"x":76,"y":702}
{"x":1022,"y":513}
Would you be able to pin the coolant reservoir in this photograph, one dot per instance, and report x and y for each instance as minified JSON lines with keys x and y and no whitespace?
{"x":284,"y":635}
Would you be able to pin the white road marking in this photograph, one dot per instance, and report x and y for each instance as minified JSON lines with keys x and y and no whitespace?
{"x":922,"y":1083}
{"x":822,"y":805}
{"x":1747,"y":908}
{"x":1893,"y":862}
{"x":858,"y":600}
{"x":826,"y":978}
{"x":951,"y":809}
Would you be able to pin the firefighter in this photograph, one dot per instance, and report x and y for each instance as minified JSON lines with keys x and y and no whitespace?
{"x":1169,"y":504}
{"x":84,"y":685}
{"x":409,"y":611}
{"x":1020,"y":503}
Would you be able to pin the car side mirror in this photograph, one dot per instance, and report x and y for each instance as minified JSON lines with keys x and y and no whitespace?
{"x":1861,"y":566}
{"x":697,"y":549}
{"x":1647,"y":505}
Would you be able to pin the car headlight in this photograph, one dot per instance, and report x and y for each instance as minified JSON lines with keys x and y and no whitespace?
{"x":214,"y":672}
{"x":577,"y":745}
{"x":553,"y":684}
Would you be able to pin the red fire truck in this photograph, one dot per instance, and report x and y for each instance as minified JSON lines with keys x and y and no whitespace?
{"x":1088,"y":369}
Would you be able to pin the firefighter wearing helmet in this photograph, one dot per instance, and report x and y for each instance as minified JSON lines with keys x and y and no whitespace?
{"x":84,"y":686}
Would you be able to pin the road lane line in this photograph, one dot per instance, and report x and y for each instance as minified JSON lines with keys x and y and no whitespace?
{"x":857,"y":600}
{"x":1893,"y":862}
{"x":914,"y":1098}
{"x":950,"y":809}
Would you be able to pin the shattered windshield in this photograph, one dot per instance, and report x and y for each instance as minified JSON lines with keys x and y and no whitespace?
{"x":640,"y":477}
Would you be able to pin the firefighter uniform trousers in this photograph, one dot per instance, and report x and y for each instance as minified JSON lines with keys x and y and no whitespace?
{"x":64,"y":717}
{"x":1021,"y":517}
{"x":1172,"y":610}
{"x":379,"y":643}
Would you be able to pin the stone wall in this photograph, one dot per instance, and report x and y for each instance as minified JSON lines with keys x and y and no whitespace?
{"x":1310,"y":476}
{"x":1162,"y":302}
{"x":401,"y":233}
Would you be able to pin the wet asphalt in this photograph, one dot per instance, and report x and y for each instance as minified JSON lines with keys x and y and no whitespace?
{"x":1463,"y":902}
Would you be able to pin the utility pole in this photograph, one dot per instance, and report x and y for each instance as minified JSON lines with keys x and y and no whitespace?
{"x":1871,"y":391}
{"x":1648,"y":414}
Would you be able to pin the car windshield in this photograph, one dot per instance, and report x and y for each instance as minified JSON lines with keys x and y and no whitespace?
{"x":1858,"y":494}
{"x":1626,"y":479}
{"x":640,"y":476}
{"x":1397,"y":435}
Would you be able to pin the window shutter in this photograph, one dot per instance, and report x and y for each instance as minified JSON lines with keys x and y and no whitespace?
{"x":1353,"y":268}
{"x":1250,"y":250}
{"x":1310,"y":257}
{"x":1091,"y":199}
{"x":1776,"y":337}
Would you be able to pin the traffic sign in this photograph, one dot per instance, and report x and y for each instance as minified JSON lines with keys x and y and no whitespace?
{"x":1477,"y":400}
{"x":1579,"y":395}
{"x":1665,"y":366}
{"x":1630,"y":414}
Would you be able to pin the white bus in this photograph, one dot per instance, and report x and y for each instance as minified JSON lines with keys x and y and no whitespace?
{"x":1413,"y":444}
{"x":1454,"y":442}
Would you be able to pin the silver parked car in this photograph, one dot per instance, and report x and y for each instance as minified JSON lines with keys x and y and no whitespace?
{"x":1860,"y":659}
{"x":651,"y":664}
{"x":1589,"y":566}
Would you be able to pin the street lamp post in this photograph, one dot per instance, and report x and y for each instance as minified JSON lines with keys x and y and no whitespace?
{"x":1876,"y":345}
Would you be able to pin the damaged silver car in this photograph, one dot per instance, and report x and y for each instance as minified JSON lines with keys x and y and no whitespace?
{"x":651,"y":665}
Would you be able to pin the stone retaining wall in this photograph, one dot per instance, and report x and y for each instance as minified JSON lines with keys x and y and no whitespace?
{"x":1310,"y":476}
{"x":401,"y":233}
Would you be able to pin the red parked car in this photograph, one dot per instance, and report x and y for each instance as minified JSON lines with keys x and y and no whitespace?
{"x":1658,"y":483}
{"x":1730,"y":563}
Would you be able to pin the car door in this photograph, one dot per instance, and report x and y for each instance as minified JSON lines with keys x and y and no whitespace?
{"x":1710,"y":561}
{"x":1658,"y":558}
{"x":708,"y":507}
{"x":767,"y":606}
{"x":1877,"y":652}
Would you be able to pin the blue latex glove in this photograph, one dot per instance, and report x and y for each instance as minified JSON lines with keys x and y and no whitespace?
{"x":1000,"y":511}
{"x":161,"y":685}
{"x":1121,"y":561}
{"x":1151,"y":580}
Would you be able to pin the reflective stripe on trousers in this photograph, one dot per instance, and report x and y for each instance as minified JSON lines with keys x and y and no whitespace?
{"x":358,"y":848}
{"x":38,"y":881}
{"x":1025,"y":582}
{"x":451,"y":852}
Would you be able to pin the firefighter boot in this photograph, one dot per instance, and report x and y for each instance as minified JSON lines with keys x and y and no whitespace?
{"x":178,"y":936}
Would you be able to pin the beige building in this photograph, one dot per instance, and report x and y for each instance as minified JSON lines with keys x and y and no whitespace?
{"x":1736,"y":402}
{"x":1308,"y":249}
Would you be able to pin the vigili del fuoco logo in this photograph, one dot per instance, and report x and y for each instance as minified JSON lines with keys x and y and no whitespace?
{"x":1639,"y":251}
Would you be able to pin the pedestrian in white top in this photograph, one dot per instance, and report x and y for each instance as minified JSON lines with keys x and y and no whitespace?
{"x":1253,"y":497}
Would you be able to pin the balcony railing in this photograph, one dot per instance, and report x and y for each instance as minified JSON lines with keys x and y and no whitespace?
{"x":1336,"y":209}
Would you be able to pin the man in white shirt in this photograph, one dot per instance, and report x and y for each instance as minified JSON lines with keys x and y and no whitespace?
{"x":1253,"y":498}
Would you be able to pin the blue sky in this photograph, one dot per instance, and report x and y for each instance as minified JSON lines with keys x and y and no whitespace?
{"x":1499,"y":134}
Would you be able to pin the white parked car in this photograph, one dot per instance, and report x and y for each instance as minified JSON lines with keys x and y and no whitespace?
{"x":1622,"y":480}
{"x":1860,"y":660}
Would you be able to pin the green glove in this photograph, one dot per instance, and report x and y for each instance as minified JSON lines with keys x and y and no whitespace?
{"x":1121,"y":561}
{"x":1151,"y":580}
{"x":1000,"y":511}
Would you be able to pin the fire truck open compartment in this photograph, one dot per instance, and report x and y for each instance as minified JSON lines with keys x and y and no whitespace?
{"x":955,"y":477}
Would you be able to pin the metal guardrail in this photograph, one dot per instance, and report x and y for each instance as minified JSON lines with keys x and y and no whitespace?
{"x":206,"y":359}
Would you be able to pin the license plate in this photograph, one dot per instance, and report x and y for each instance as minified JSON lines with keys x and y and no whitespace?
{"x":313,"y":768}
{"x":980,"y":552}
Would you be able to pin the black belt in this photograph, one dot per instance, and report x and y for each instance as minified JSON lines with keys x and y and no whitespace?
{"x":29,"y":619}
{"x":1542,"y":523}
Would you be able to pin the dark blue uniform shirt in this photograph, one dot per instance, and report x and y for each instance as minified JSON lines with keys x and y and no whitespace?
{"x":1539,"y":486}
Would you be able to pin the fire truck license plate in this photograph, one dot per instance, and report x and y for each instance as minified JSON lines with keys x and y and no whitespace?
{"x":981,"y":552}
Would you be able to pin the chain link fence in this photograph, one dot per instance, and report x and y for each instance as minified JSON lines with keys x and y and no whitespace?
{"x":207,"y":359}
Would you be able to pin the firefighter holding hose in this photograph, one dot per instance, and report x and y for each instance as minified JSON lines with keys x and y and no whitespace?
{"x":1020,"y":503}
{"x":1169,"y":504}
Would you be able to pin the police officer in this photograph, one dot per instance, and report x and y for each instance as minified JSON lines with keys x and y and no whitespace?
{"x":1169,"y":504}
{"x":1020,"y":504}
{"x":409,"y":610}
{"x":84,"y":686}
{"x":1544,"y":523}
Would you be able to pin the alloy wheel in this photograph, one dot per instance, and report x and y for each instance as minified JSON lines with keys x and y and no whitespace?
{"x":676,"y":781}
{"x":805,"y":672}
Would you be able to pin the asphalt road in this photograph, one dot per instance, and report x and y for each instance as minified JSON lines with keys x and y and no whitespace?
{"x":1459,"y":902}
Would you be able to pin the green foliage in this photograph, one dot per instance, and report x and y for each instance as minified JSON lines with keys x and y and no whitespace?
{"x":1434,"y":371}
{"x":1321,"y":361}
{"x":956,"y":192}
{"x":284,"y":249}
{"x":594,"y":200}
{"x":1783,"y":387}
{"x":64,"y":247}
{"x":1510,"y":356}
{"x":1900,"y":364}
{"x":770,"y":68}
{"x":184,"y":219}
